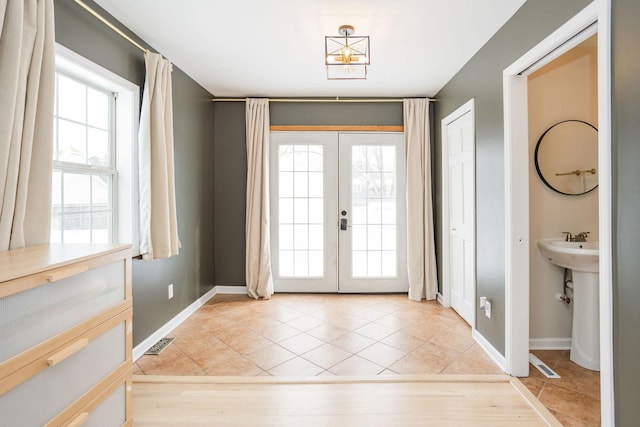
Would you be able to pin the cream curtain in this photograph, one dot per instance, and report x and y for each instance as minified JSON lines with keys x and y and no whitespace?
{"x":27,"y":82}
{"x":258,"y":255}
{"x":421,"y":259}
{"x":158,"y":220}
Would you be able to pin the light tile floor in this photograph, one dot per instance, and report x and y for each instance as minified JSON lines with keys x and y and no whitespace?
{"x":303,"y":334}
{"x":574,"y":399}
{"x":318,"y":334}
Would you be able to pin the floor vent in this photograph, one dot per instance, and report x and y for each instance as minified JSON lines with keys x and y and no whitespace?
{"x":158,"y":347}
{"x":542,"y":367}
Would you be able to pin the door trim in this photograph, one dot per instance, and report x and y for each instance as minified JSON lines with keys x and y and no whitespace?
{"x":516,"y":170}
{"x":445,"y":297}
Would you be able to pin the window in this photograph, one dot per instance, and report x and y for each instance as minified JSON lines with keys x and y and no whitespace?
{"x":95,"y":123}
{"x":84,"y":173}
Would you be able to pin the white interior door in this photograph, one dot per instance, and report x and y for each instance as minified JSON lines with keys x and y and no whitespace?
{"x":337,"y":212}
{"x":459,"y":137}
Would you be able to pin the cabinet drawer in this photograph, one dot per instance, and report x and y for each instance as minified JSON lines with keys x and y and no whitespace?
{"x":111,"y":412}
{"x":111,"y":408}
{"x":74,"y":370}
{"x":30,"y":317}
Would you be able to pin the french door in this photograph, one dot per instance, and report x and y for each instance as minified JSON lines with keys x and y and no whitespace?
{"x":338,"y":212}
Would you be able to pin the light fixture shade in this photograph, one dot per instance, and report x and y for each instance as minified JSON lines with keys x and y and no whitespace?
{"x":346,"y":56}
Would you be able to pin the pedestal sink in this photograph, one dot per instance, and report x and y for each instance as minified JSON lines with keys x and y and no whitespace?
{"x":582,"y":258}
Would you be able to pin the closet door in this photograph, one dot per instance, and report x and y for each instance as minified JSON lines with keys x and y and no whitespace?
{"x":460,"y":140}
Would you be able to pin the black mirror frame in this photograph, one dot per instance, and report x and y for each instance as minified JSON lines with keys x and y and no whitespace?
{"x":535,"y":158}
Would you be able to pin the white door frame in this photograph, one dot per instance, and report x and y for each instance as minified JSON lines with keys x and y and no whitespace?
{"x":445,"y":298}
{"x":516,"y":163}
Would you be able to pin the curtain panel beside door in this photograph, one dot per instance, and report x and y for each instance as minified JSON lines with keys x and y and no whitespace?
{"x":258,"y":246}
{"x":421,"y":259}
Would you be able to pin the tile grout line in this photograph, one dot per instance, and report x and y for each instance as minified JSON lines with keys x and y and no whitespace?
{"x":453,"y":361}
{"x":191,"y":359}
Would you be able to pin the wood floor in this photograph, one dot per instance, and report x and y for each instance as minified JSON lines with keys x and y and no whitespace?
{"x":456,"y":400}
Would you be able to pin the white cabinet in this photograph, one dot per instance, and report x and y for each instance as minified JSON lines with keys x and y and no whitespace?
{"x":65,"y":335}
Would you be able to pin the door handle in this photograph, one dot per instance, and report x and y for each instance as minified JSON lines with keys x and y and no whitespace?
{"x":343,"y":224}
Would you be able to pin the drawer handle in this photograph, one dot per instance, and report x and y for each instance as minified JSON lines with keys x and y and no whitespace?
{"x":64,"y":272}
{"x":67,"y":351}
{"x":80,"y":419}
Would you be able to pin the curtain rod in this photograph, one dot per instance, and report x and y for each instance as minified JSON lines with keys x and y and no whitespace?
{"x":110,"y":25}
{"x":337,"y":99}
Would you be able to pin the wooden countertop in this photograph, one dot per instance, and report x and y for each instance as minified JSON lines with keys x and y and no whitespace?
{"x":35,"y":259}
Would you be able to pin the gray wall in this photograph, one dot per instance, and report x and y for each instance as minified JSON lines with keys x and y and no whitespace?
{"x":192,"y":271}
{"x":230,"y":165}
{"x":481,"y":78}
{"x":626,"y":206}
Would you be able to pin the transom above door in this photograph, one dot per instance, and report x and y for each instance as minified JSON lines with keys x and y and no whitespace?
{"x":338,"y":212}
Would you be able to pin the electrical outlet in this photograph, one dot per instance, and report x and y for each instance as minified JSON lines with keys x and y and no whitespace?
{"x":483,"y":303}
{"x":170,"y":290}
{"x":487,"y":309}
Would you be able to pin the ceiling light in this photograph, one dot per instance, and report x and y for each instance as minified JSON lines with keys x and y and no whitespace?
{"x":346,"y":55}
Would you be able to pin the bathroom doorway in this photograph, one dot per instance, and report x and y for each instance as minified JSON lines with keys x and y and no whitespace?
{"x":563,"y":193}
{"x":518,"y":167}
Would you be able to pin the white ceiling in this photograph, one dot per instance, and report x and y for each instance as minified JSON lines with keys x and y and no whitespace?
{"x":275,"y":48}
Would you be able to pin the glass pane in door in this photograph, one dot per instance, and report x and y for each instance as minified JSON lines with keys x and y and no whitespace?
{"x":374,"y":205}
{"x":300,"y":208}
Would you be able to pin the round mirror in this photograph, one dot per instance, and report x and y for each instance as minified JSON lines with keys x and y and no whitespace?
{"x":566,"y":157}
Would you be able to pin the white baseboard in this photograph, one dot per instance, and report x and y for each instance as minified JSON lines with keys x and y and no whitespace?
{"x":550,"y":343}
{"x":141,"y":348}
{"x":490,"y":350}
{"x":231,"y":290}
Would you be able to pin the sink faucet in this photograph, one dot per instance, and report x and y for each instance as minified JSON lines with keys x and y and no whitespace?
{"x":580,"y":237}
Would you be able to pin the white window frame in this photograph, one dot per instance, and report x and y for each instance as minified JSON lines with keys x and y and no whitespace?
{"x":126,"y":122}
{"x":66,"y":167}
